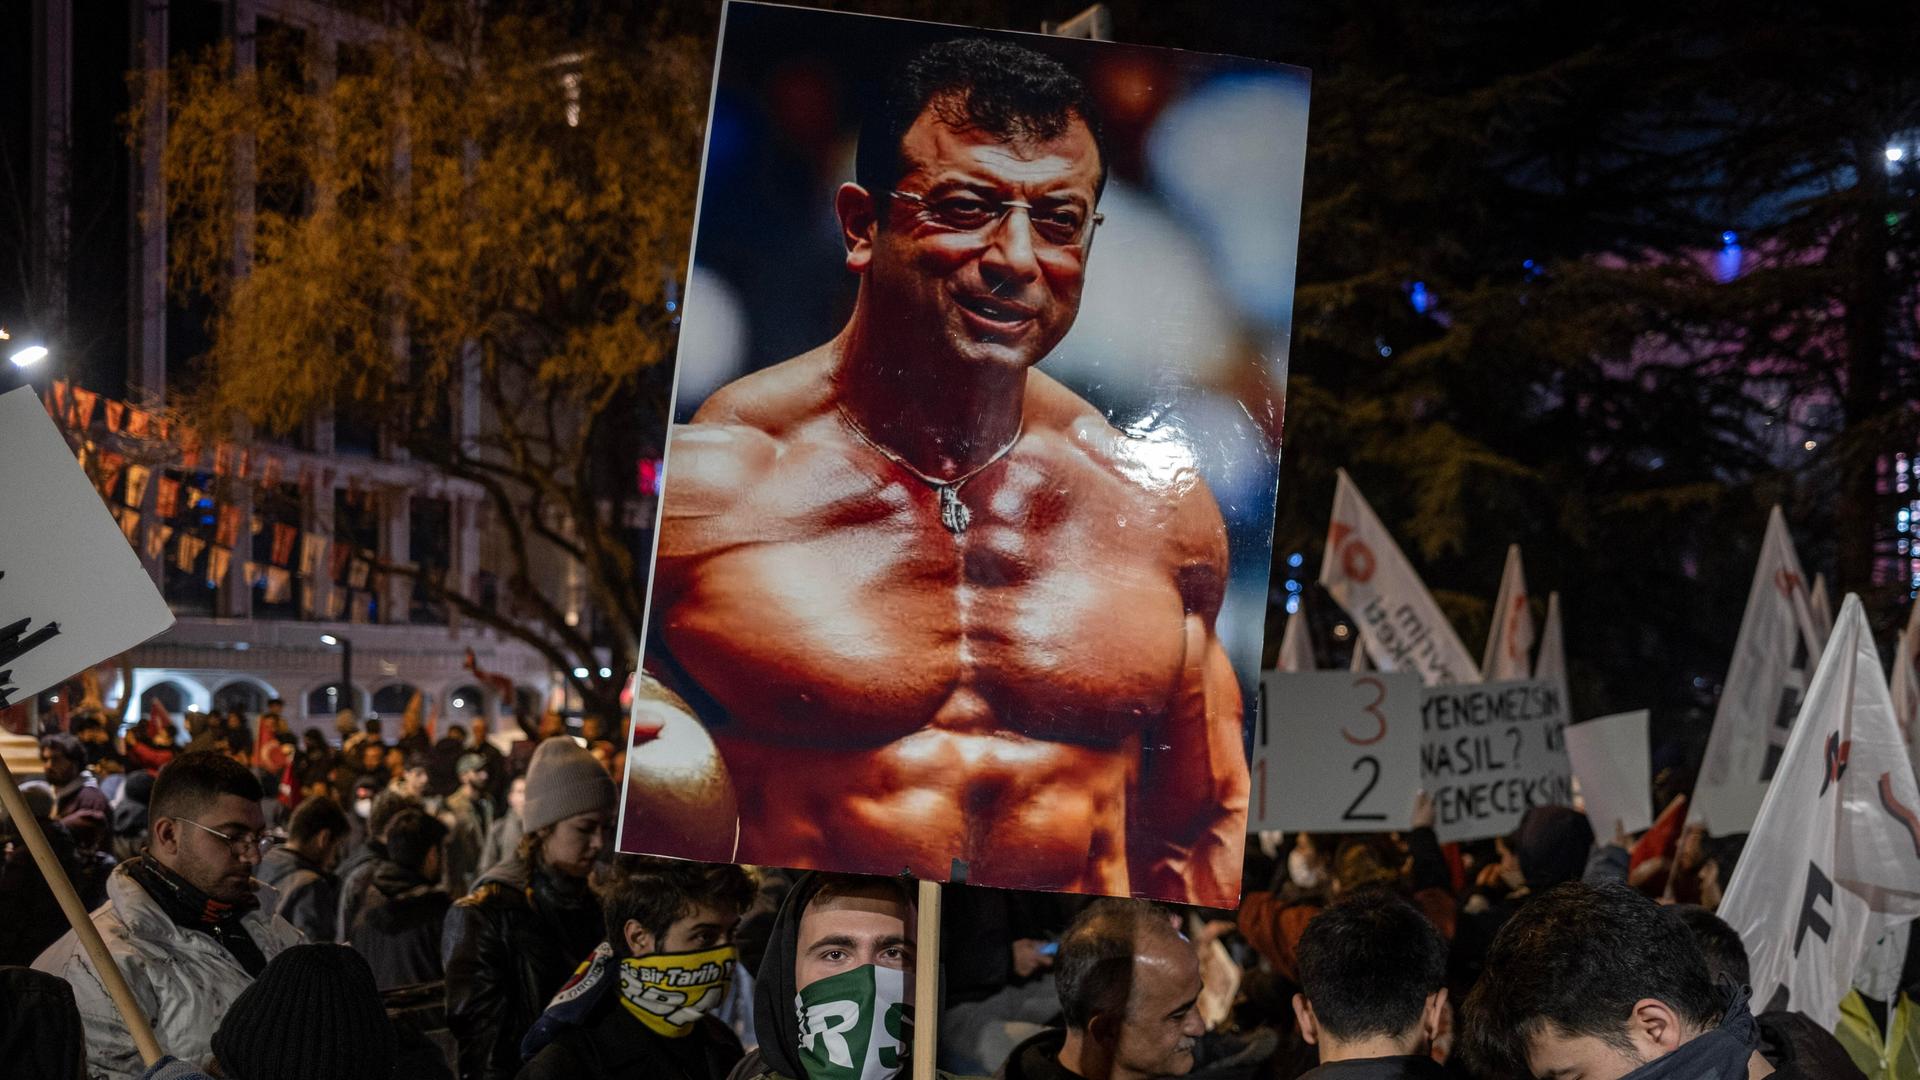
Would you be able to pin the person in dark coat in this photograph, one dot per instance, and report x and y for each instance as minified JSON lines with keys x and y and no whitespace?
{"x":1129,"y":986}
{"x":79,"y":803}
{"x":1786,"y":1038}
{"x":1373,"y":992}
{"x":297,"y":881}
{"x":356,"y":874}
{"x":529,"y":923}
{"x":399,"y":925}
{"x":1603,"y":983}
{"x":643,"y":1008}
{"x":32,"y":919}
{"x":40,"y":1033}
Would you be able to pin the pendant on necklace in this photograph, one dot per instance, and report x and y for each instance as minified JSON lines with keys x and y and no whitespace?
{"x":954,"y":513}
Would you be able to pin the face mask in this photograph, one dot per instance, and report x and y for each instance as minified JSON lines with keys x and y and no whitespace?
{"x":856,"y":1025}
{"x":363,"y":807}
{"x":1304,"y":871}
{"x":670,"y":992}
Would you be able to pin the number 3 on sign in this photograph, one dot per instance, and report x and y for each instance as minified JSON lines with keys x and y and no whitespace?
{"x":1372,"y":709}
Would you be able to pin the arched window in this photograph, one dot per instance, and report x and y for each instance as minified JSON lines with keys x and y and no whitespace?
{"x":171,"y":696}
{"x":392,"y":700}
{"x":325,"y":701}
{"x":242,"y":695}
{"x":463,"y":704}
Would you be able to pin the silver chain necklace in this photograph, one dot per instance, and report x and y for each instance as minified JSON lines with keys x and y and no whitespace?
{"x":954,"y":514}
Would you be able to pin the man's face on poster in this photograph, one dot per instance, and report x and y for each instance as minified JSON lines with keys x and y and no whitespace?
{"x":971,"y":277}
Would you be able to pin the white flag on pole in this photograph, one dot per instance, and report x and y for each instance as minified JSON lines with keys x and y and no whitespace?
{"x":1509,"y":653}
{"x":1772,"y":657}
{"x":1834,"y":859}
{"x":1552,"y":661}
{"x":1369,"y":576}
{"x":1296,"y":647}
{"x":1820,"y":606}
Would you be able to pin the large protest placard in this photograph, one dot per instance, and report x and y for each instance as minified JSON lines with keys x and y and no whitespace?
{"x":1834,"y":857}
{"x":1491,"y":750}
{"x":72,"y":592}
{"x":966,"y":522}
{"x":1773,"y":656}
{"x":1365,"y":571}
{"x":1610,"y":757}
{"x":1336,"y":751}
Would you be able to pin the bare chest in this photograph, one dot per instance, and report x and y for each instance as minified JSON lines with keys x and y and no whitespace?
{"x":843,"y":603}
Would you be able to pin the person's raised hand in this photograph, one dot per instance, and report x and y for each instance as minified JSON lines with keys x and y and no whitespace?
{"x":1422,"y":810}
{"x":1028,"y":957}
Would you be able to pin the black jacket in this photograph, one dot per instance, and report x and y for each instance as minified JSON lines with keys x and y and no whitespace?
{"x":298,"y":890}
{"x":40,"y":1034}
{"x":1038,"y":1058}
{"x":399,"y":927}
{"x":508,"y":947}
{"x":613,"y":1045}
{"x":1384,"y":1068}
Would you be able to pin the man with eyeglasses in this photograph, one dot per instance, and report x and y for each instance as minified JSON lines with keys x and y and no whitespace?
{"x":917,"y":605}
{"x":181,"y":921}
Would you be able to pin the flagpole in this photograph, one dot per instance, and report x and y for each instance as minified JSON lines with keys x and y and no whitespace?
{"x":926,"y":983}
{"x":77,"y":917}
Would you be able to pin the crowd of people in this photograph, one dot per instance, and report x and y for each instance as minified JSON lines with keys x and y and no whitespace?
{"x":354,"y":908}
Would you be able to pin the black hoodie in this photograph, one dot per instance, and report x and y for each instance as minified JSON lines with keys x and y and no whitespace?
{"x":776,"y":1023}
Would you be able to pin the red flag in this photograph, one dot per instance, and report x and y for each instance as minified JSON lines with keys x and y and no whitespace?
{"x":83,"y":403}
{"x":190,"y":447}
{"x":223,"y":458}
{"x":59,"y":394}
{"x":110,"y":466}
{"x":116,"y":415}
{"x":169,"y":498}
{"x":289,"y":787}
{"x":283,"y":539}
{"x":138,"y":422}
{"x":269,"y":469}
{"x":228,"y":532}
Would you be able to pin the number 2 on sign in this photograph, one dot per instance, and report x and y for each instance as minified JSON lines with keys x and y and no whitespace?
{"x":1379,"y":718}
{"x":1353,"y":809}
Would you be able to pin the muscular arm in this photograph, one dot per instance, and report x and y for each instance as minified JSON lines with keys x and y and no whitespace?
{"x":679,"y":794}
{"x":1187,"y":824}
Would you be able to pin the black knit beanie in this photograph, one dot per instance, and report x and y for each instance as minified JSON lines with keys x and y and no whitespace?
{"x":313,"y":1014}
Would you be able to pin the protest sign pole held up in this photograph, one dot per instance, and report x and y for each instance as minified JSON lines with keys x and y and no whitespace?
{"x":926,"y":982}
{"x":77,"y":917}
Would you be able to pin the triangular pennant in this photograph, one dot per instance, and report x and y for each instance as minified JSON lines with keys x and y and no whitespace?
{"x":83,"y":406}
{"x":1834,"y":857}
{"x":1509,"y":652}
{"x":139,"y":422}
{"x":269,"y":469}
{"x":284,"y":537}
{"x":1774,"y":653}
{"x":337,"y":566}
{"x":227,"y":532}
{"x":157,"y":537}
{"x":137,"y":476}
{"x":279,"y":584}
{"x":167,"y":502}
{"x":187,"y":552}
{"x":313,"y":554}
{"x":217,"y":563}
{"x":116,"y":415}
{"x":357,"y":573}
{"x":190,"y":446}
{"x":258,"y":524}
{"x":130,"y":524}
{"x":58,"y":391}
{"x":1369,"y":576}
{"x":111,"y":465}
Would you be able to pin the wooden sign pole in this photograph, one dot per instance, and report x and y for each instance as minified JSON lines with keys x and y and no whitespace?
{"x":926,"y":983}
{"x":78,"y":918}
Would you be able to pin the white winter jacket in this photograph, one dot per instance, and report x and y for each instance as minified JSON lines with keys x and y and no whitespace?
{"x":183,"y":979}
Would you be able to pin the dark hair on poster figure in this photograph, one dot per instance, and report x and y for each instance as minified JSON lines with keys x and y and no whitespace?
{"x":1577,"y":958}
{"x":1008,"y":92}
{"x":1368,"y":964}
{"x":191,"y":781}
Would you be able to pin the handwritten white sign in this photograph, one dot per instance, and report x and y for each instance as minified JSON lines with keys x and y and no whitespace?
{"x":72,"y":592}
{"x":1491,"y":750}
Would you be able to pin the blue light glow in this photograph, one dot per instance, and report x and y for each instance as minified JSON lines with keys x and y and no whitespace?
{"x":1729,"y":238}
{"x":1293,"y":586}
{"x":1421,"y":299}
{"x":1293,"y":604}
{"x":1294,"y":559}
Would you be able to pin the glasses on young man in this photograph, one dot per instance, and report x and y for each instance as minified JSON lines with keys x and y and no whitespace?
{"x":257,"y":843}
{"x":1061,"y":225}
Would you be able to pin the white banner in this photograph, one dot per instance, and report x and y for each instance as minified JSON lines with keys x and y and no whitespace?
{"x":1552,"y":661}
{"x":1367,"y":573}
{"x":1491,"y":750}
{"x":1609,"y":755}
{"x":1336,"y":752}
{"x":72,"y":591}
{"x":1509,"y":653}
{"x":1834,"y":859}
{"x":1820,"y":606}
{"x":1296,"y":647}
{"x":1777,"y":648}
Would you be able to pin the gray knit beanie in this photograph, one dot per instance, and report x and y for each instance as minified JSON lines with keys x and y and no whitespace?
{"x":562,"y":781}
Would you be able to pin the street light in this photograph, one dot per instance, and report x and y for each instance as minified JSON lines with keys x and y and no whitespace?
{"x":27,"y":356}
{"x":346,"y":668}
